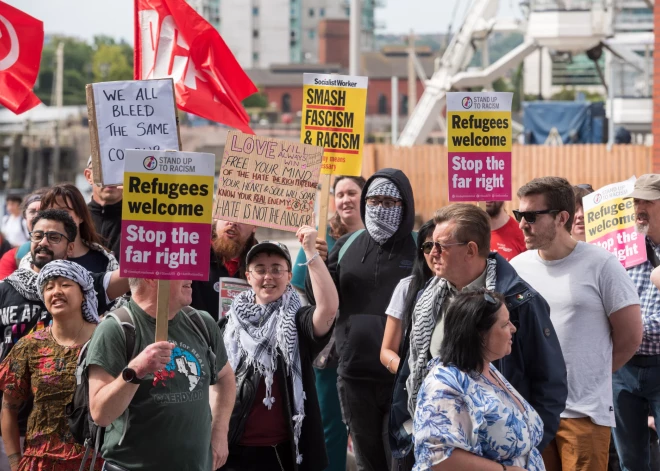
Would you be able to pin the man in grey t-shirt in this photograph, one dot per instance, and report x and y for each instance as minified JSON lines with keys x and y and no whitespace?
{"x":595,"y":310}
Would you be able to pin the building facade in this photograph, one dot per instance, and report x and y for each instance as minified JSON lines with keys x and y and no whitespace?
{"x":261,"y":33}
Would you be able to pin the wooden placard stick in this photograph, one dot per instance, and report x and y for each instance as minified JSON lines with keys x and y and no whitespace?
{"x":324,"y":180}
{"x":163,"y":306}
{"x":97,"y":168}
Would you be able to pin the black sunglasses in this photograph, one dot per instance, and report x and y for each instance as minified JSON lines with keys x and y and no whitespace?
{"x":490,"y":300}
{"x":428,"y":246}
{"x":530,"y":216}
{"x":585,"y":186}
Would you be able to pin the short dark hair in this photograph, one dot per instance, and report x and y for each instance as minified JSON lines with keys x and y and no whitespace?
{"x":467,"y":319}
{"x":580,"y":192}
{"x":558,"y":194}
{"x":58,"y":215}
{"x":14,"y":198}
{"x":472,"y":224}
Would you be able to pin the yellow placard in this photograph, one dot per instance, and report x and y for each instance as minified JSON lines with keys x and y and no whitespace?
{"x":610,"y":216}
{"x":333,"y":114}
{"x":167,"y":198}
{"x":479,"y":131}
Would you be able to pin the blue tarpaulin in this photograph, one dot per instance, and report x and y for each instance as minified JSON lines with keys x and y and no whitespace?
{"x":576,"y":122}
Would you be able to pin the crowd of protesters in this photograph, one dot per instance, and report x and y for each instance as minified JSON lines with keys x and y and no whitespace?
{"x":482,"y":341}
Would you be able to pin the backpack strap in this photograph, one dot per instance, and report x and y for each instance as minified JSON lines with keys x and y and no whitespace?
{"x":348,"y":243}
{"x":203,"y":332}
{"x":125,"y":319}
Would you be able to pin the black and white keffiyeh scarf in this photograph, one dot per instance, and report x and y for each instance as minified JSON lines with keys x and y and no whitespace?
{"x":424,"y":319}
{"x":257,"y":333}
{"x":77,"y":274}
{"x":382,"y":223}
{"x":24,"y":280}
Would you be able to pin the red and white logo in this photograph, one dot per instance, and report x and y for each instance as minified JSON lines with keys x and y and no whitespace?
{"x":172,"y":40}
{"x":21,"y":42}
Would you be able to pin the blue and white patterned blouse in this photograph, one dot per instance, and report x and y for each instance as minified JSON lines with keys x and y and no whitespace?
{"x":455,"y":410}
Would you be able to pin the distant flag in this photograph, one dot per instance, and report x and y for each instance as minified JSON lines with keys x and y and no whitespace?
{"x":21,"y":42}
{"x":173,"y":40}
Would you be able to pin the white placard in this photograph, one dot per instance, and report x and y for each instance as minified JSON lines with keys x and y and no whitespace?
{"x":137,"y":114}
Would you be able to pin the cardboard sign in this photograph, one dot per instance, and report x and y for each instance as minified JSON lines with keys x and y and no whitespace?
{"x":268,"y":182}
{"x":230,"y":288}
{"x":138,"y":114}
{"x":609,"y":221}
{"x":166,"y":215}
{"x":333,"y":117}
{"x":479,"y":143}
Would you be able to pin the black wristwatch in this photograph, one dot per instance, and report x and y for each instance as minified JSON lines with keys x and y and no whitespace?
{"x":130,"y":376}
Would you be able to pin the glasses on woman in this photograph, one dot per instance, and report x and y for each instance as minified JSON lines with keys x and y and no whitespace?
{"x":386,"y":203}
{"x":428,"y":246}
{"x":530,"y":216}
{"x":53,"y":237}
{"x":275,"y":272}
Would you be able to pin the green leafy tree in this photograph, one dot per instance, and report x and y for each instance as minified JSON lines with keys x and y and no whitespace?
{"x":110,"y":63}
{"x":256,"y":100}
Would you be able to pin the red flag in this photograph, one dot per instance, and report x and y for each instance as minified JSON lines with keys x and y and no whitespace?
{"x":172,"y":40}
{"x":21,"y":42}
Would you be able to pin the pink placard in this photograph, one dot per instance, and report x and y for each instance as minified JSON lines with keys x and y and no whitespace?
{"x":626,"y":245}
{"x":165,"y":250}
{"x":479,"y":176}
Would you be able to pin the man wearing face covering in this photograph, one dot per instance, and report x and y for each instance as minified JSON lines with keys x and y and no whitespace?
{"x":375,"y":260}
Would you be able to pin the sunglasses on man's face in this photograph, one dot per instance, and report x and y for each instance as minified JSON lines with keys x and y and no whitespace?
{"x":530,"y":216}
{"x":427,"y":247}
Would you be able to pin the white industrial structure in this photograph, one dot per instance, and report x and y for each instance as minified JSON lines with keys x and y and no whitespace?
{"x":550,"y":26}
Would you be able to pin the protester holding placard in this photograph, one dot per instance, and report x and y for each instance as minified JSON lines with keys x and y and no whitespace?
{"x":87,"y":249}
{"x":43,"y":364}
{"x":229,"y":245}
{"x":347,"y":192}
{"x":506,"y":238}
{"x":595,"y":311}
{"x":105,"y":208}
{"x":635,"y":385}
{"x":271,"y":341}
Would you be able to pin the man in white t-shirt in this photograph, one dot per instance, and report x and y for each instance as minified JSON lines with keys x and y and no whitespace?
{"x":595,"y":310}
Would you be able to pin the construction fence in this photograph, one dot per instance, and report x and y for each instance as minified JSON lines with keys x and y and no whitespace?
{"x":426,"y":167}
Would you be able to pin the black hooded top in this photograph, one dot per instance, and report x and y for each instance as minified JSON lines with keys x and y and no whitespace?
{"x":365,"y":280}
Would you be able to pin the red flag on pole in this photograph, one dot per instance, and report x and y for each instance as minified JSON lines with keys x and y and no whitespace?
{"x":173,"y":40}
{"x":21,"y":42}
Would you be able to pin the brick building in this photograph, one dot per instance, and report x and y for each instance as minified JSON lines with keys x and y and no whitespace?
{"x":282,"y":84}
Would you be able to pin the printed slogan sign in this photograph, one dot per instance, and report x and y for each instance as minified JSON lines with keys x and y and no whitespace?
{"x":166,"y":220}
{"x":230,"y":288}
{"x":333,"y":117}
{"x":479,"y":144}
{"x":609,"y":221}
{"x":268,"y":182}
{"x":137,"y":114}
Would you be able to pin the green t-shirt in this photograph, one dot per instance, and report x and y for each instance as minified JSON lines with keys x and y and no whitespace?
{"x":169,"y":420}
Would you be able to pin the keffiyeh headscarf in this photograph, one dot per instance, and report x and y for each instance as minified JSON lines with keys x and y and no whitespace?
{"x":257,"y":333}
{"x":24,"y":280}
{"x":382,"y":223}
{"x":425,"y":317}
{"x":77,"y":274}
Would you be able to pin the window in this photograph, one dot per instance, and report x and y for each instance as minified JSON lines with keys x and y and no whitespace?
{"x":312,"y":34}
{"x":321,"y":12}
{"x":382,"y":104}
{"x":404,"y":104}
{"x":255,"y":11}
{"x":255,"y":58}
{"x":286,"y":103}
{"x":255,"y":33}
{"x":311,"y":12}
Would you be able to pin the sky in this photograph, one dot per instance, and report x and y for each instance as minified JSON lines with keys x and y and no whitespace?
{"x":88,"y":18}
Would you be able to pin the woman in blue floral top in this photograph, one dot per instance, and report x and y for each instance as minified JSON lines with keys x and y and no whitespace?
{"x":468,"y":416}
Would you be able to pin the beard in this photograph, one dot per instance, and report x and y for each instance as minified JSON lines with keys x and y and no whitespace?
{"x":227,"y":249}
{"x":42,"y":263}
{"x":495,"y":209}
{"x":541,"y":240}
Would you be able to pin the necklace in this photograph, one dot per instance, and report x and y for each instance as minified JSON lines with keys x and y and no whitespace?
{"x":52,"y":334}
